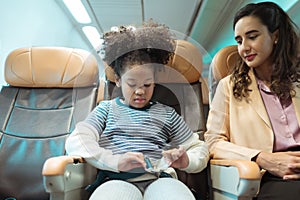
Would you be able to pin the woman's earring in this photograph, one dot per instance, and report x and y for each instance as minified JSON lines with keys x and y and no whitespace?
{"x":275,"y":41}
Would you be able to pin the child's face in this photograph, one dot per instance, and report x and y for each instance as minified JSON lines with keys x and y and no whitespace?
{"x":137,"y":84}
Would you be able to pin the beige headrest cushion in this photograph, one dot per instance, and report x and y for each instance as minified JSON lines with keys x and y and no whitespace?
{"x":51,"y":67}
{"x":186,"y":65}
{"x":223,"y":61}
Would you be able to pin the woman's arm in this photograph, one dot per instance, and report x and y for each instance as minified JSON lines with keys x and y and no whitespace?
{"x":282,"y":164}
{"x":219,"y":133}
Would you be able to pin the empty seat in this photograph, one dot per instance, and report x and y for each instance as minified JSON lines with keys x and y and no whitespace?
{"x":49,"y":89}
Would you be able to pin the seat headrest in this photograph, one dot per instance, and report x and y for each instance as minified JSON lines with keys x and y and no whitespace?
{"x":58,"y":67}
{"x":223,"y":61}
{"x":185,"y":66}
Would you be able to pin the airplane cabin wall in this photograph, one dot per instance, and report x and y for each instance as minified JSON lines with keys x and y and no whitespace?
{"x":35,"y":23}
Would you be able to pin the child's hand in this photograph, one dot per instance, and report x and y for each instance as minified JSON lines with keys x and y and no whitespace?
{"x":131,"y":160}
{"x":177,"y":157}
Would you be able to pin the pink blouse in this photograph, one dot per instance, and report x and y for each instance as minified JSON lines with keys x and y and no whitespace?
{"x":283,"y":119}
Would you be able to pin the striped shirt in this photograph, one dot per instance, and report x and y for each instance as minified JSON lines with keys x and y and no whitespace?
{"x":126,"y":129}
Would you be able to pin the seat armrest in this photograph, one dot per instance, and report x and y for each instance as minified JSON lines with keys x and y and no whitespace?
{"x":65,"y":177}
{"x":57,"y":165}
{"x":234,"y":179}
{"x":247,"y":169}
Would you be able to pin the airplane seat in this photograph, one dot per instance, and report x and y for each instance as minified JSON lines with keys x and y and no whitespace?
{"x":221,"y":66}
{"x":48,"y":90}
{"x":177,"y":85}
{"x":230,"y":179}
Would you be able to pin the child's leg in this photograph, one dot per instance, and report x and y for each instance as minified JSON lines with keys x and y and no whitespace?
{"x":116,"y":189}
{"x":168,"y":188}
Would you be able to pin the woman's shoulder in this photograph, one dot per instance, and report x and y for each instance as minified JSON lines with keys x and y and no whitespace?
{"x":226,"y":79}
{"x":225,"y":82}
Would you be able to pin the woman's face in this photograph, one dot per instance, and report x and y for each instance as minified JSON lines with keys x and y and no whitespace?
{"x":137,"y":84}
{"x":255,"y":42}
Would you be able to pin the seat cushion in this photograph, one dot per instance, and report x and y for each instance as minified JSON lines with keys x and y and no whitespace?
{"x":34,"y":126}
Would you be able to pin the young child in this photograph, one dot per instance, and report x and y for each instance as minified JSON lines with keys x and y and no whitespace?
{"x":128,"y":136}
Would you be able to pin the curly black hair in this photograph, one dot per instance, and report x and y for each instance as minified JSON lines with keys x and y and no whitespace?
{"x":127,"y":45}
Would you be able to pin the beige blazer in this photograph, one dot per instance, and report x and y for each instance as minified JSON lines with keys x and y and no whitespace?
{"x":240,"y":129}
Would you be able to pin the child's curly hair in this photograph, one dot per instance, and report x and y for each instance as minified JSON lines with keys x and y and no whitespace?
{"x":151,"y":43}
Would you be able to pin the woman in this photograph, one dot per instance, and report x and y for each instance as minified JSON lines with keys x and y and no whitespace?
{"x":255,"y":113}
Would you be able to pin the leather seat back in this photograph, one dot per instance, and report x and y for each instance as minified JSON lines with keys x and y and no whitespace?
{"x":49,"y":90}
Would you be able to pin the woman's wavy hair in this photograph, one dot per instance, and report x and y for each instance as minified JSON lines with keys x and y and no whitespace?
{"x":285,"y":53}
{"x":127,"y":45}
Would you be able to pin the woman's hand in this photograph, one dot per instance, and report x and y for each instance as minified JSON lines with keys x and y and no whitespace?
{"x":282,"y":164}
{"x":177,"y":157}
{"x":131,"y":160}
